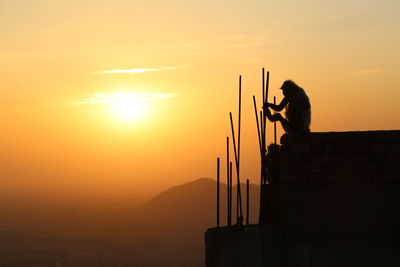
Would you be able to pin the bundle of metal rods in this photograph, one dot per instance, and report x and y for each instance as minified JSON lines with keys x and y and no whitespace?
{"x":236,"y":148}
{"x":261,"y":124}
{"x":239,"y":211}
{"x":261,"y":133}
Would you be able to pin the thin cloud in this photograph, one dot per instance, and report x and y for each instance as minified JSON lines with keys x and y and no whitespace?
{"x":118,"y":97}
{"x":247,"y":40}
{"x":366,"y":72}
{"x":135,"y":70}
{"x":246,"y":44}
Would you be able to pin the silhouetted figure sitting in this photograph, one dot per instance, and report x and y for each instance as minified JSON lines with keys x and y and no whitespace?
{"x":298,"y":109}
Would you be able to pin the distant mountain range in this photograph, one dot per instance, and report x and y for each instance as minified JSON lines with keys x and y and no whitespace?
{"x":168,"y":230}
{"x":193,"y":205}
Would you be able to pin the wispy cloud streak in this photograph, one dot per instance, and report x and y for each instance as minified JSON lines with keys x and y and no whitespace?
{"x":366,"y":72}
{"x":134,"y":70}
{"x":118,"y":97}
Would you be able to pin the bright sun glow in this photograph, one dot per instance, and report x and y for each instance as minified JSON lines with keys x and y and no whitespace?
{"x":127,"y":106}
{"x":130,"y":110}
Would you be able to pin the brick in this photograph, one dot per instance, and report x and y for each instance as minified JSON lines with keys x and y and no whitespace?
{"x":347,"y":137}
{"x":329,"y":149}
{"x":315,"y":168}
{"x":347,"y":166}
{"x":339,"y":158}
{"x":389,"y":167}
{"x":389,"y":136}
{"x":392,"y":178}
{"x":331,"y":138}
{"x":365,"y":167}
{"x":286,"y":162}
{"x":362,"y":137}
{"x":378,"y":148}
{"x":288,"y":177}
{"x":361,"y":148}
{"x":360,"y":157}
{"x":317,"y":149}
{"x":378,"y":157}
{"x":298,"y":167}
{"x":349,"y":177}
{"x":341,"y":149}
{"x":317,"y":139}
{"x":302,"y":148}
{"x":394,"y":148}
{"x":322,"y":158}
{"x":395,"y":167}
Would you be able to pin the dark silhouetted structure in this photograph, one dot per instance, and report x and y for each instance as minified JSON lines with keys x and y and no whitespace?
{"x":298,"y":109}
{"x":326,"y":199}
{"x":339,"y":196}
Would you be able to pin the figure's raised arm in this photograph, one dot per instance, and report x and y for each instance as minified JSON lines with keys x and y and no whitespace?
{"x":279,"y":107}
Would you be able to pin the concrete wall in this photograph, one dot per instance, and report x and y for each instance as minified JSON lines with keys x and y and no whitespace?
{"x":338,"y":200}
{"x":340,"y":183}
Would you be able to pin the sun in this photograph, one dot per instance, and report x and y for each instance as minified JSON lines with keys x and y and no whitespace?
{"x":130,"y":109}
{"x":127,"y":107}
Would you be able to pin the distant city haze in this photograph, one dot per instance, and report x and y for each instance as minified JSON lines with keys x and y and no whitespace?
{"x":120,"y":99}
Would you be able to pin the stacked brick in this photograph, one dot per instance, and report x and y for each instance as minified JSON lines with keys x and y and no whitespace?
{"x":341,"y":158}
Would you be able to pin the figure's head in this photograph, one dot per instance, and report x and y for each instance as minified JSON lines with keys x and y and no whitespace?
{"x":289,"y":85}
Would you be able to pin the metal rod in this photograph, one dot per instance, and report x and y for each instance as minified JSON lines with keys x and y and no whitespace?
{"x":240,"y":116}
{"x":262,"y":115}
{"x":228,"y":222}
{"x":258,"y":125}
{"x":262,"y":128}
{"x":265,"y":117}
{"x":237,"y":202}
{"x":230,"y":192}
{"x":267,"y":87}
{"x":263,"y":85}
{"x":247,"y":200}
{"x":262,"y":146}
{"x":218,"y":165}
{"x":237,"y":168}
{"x":239,"y":199}
{"x":265,"y":124}
{"x":274,"y":123}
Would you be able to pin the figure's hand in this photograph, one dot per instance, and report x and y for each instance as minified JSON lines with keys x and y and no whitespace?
{"x":266,"y":105}
{"x":277,"y":116}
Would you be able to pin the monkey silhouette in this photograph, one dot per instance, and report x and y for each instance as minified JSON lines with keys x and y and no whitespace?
{"x":298,"y":109}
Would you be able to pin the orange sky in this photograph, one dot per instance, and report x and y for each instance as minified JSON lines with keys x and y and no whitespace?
{"x":57,"y":53}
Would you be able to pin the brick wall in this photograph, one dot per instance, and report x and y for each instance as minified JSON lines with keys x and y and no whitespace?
{"x":340,"y":183}
{"x":341,"y":157}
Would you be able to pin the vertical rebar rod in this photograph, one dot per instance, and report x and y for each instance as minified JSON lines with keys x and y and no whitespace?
{"x":263,"y":85}
{"x":267,"y":87}
{"x":227,"y":181}
{"x":258,"y":124}
{"x":265,"y":117}
{"x":230,"y":192}
{"x":247,"y":201}
{"x":236,"y":160}
{"x":237,"y":169}
{"x":262,"y":146}
{"x":239,"y":199}
{"x":237,"y":202}
{"x":274,"y":123}
{"x":239,"y":120}
{"x":218,"y":181}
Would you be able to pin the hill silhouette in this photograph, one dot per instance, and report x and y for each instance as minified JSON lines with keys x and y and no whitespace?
{"x":167,"y":230}
{"x":193,"y":205}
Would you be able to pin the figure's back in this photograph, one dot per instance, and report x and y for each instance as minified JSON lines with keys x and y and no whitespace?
{"x":298,"y":111}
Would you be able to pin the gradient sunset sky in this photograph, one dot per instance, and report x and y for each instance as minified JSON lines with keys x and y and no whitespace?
{"x":70,"y":71}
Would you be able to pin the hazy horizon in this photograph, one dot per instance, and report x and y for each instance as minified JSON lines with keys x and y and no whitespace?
{"x":72,"y":72}
{"x":106,"y":104}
